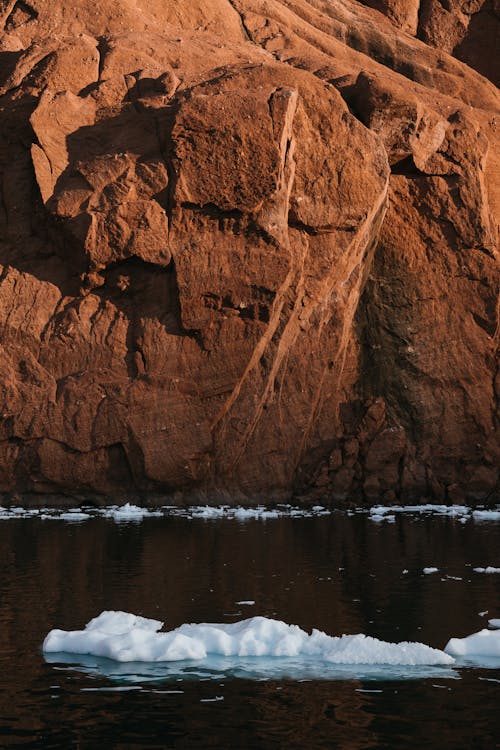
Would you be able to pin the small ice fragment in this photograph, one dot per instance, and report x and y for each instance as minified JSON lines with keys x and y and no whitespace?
{"x":405,"y":571}
{"x":428,"y":571}
{"x":248,"y":603}
{"x":128,"y":512}
{"x":121,"y":689}
{"x":494,"y":623}
{"x":74,"y":515}
{"x":483,"y":613}
{"x":212,"y":700}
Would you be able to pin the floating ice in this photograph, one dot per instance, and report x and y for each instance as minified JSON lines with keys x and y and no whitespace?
{"x":485,"y":643}
{"x":128,"y":512}
{"x":125,"y":637}
{"x":74,"y":515}
{"x":134,"y":513}
{"x":486,"y":515}
{"x":488,"y":569}
{"x":494,"y":623}
{"x":428,"y":571}
{"x":427,"y":508}
{"x":389,"y":517}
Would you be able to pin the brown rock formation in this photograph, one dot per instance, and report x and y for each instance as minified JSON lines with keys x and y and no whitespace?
{"x":248,"y":251}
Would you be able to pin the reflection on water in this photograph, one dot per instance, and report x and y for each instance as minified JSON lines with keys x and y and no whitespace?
{"x":249,"y":668}
{"x":339,"y":574}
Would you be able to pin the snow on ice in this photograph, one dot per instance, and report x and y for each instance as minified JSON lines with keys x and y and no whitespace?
{"x":125,"y":637}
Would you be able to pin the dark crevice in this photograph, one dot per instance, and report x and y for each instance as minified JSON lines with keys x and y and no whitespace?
{"x":242,"y":21}
{"x":258,"y":308}
{"x":102,"y":49}
{"x":406,"y":167}
{"x":212,"y":210}
{"x":295,"y":223}
{"x":121,"y":461}
{"x":143,"y":291}
{"x":3,"y":273}
{"x":489,"y":326}
{"x":21,"y":14}
{"x":8,"y":63}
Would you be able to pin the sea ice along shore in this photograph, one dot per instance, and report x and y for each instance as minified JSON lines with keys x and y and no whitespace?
{"x":130,"y":513}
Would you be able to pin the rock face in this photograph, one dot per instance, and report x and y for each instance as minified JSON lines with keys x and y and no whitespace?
{"x":248,"y":251}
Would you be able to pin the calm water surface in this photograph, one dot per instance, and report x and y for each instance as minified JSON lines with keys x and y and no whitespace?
{"x":337,"y":573}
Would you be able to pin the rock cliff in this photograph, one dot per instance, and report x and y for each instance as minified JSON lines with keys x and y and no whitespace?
{"x":249,"y":250}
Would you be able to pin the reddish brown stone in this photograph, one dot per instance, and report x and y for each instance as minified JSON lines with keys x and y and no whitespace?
{"x":248,"y":250}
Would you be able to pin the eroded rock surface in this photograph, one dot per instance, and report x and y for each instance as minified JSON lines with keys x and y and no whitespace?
{"x":248,"y":251}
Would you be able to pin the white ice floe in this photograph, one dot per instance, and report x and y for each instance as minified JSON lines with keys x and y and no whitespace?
{"x":485,"y":643}
{"x":128,"y":512}
{"x":425,"y":509}
{"x":486,"y":515}
{"x":246,"y":602}
{"x":125,"y":637}
{"x":494,"y":623}
{"x":488,"y":569}
{"x":428,"y":571}
{"x":135,"y":513}
{"x":131,"y":513}
{"x":74,"y":515}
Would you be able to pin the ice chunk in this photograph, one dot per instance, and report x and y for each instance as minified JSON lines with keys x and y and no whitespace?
{"x":128,"y":512}
{"x":494,"y":623}
{"x":74,"y":515}
{"x":428,"y":571}
{"x":125,"y":637}
{"x":485,"y":643}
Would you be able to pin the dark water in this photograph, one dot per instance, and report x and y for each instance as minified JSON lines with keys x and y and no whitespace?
{"x":339,"y":574}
